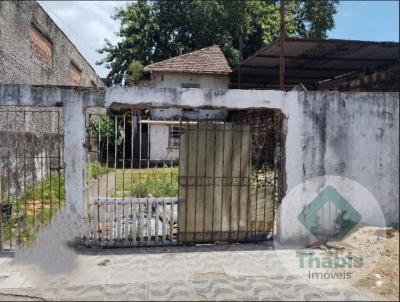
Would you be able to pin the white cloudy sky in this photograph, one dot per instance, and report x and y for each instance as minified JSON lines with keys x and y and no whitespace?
{"x":88,"y":23}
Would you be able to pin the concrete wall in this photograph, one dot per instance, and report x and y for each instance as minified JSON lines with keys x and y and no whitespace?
{"x":176,"y":80}
{"x":353,"y":135}
{"x":17,"y":65}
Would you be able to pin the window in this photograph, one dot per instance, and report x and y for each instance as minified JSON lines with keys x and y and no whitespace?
{"x":174,"y":136}
{"x":41,"y":47}
{"x":190,"y":85}
{"x":74,"y":74}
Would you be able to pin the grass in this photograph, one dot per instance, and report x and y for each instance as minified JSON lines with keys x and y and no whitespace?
{"x":156,"y":182}
{"x":96,"y":170}
{"x":33,"y":208}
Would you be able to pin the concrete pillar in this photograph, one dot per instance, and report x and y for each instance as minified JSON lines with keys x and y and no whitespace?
{"x":74,"y":151}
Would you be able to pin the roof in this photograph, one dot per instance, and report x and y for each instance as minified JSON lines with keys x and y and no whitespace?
{"x":209,"y":60}
{"x":310,"y":61}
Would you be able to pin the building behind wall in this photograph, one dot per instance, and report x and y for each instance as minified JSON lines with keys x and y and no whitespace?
{"x":204,"y":68}
{"x":34,"y":50}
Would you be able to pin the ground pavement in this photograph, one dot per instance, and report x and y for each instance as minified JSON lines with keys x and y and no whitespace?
{"x":208,"y":272}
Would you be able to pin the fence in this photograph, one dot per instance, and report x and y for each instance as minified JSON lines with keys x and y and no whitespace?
{"x":149,"y":178}
{"x":157,"y":180}
{"x":31,"y":182}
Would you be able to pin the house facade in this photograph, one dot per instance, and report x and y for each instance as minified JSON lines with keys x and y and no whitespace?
{"x":204,"y":68}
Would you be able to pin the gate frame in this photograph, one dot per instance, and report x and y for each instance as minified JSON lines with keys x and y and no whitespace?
{"x":75,"y":100}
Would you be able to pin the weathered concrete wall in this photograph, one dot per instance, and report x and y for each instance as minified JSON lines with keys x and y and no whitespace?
{"x":178,"y":80}
{"x":354,"y":135}
{"x":17,"y":64}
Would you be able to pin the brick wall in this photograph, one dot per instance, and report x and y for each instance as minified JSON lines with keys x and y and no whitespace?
{"x":33,"y":50}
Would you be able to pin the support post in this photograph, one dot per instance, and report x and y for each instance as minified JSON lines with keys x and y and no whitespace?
{"x":74,"y":152}
{"x":282,"y":35}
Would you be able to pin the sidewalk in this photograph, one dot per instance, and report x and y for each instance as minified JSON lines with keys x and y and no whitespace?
{"x":209,"y":272}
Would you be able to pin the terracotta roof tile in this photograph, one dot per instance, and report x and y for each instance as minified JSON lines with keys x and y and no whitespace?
{"x":207,"y":60}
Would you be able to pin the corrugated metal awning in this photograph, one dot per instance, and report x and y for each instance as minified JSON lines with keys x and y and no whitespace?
{"x":310,"y":61}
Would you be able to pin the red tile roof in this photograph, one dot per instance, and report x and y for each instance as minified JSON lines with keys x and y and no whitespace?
{"x":207,"y":60}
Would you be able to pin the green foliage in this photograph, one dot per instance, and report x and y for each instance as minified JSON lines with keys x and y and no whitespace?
{"x":105,"y":131}
{"x":134,"y":72}
{"x":94,"y":170}
{"x":152,"y":31}
{"x":157,"y":182}
{"x":33,"y":209}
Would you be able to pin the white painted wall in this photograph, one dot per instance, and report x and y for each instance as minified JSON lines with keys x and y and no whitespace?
{"x":176,"y":80}
{"x":159,"y":135}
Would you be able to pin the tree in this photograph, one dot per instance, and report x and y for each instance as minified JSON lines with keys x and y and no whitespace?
{"x":152,"y":31}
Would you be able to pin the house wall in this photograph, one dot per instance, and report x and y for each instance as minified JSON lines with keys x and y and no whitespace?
{"x":159,"y":136}
{"x":177,"y":79}
{"x":17,"y":63}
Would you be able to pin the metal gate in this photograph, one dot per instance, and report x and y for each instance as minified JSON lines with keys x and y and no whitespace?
{"x":168,"y":176}
{"x":31,"y":173}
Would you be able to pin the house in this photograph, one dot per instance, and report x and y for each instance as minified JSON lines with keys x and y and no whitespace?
{"x":204,"y":68}
{"x":34,"y":50}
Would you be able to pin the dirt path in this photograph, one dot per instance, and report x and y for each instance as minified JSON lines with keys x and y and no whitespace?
{"x":104,"y":186}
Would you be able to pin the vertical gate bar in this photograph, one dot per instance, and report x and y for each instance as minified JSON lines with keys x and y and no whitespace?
{"x":230,"y":198}
{"x":149,"y":206}
{"x":148,"y":143}
{"x":99,"y":226}
{"x":248,"y":186}
{"x":205,"y":184}
{"x":107,"y":235}
{"x":8,"y":187}
{"x":164,"y":224}
{"x":115,"y":218}
{"x":133,"y":210}
{"x":156,"y":224}
{"x":124,"y":225}
{"x":266,"y":121}
{"x":223,"y":180}
{"x":171,"y":225}
{"x":42,"y":180}
{"x":197,"y":180}
{"x":256,"y":211}
{"x":141,"y":222}
{"x":25,"y":189}
{"x":33,"y":181}
{"x":240,"y":180}
{"x":214,"y":181}
{"x":187,"y":176}
{"x":60,"y":166}
{"x":16,"y":191}
{"x":51,"y":188}
{"x":179,"y":187}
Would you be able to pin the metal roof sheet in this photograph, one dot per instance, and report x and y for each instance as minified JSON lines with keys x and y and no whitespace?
{"x":310,"y":61}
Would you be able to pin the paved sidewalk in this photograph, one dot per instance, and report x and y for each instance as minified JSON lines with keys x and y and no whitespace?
{"x":226,"y":272}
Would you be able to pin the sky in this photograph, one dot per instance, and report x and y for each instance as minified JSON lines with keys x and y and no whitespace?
{"x":88,"y":23}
